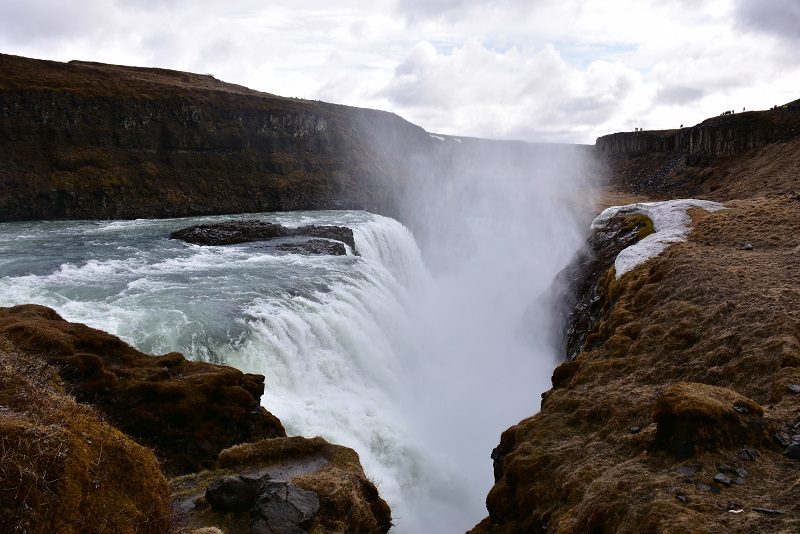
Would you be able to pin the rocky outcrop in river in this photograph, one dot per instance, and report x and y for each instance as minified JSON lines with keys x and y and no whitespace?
{"x":235,"y":232}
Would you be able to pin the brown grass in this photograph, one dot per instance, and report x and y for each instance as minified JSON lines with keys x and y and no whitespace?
{"x":689,"y":365}
{"x":62,"y":469}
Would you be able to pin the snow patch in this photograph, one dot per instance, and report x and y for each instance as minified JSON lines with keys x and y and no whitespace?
{"x":439,"y":137}
{"x":457,"y":140}
{"x":671,"y":223}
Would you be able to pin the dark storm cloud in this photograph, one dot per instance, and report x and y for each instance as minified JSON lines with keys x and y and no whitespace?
{"x":777,"y":17}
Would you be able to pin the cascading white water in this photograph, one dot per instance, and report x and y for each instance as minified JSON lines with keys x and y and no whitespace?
{"x":418,"y":373}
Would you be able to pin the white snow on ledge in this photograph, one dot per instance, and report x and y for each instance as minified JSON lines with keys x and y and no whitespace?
{"x":670,"y":222}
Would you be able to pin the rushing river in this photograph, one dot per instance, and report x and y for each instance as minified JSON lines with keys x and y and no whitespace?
{"x":412,"y":371}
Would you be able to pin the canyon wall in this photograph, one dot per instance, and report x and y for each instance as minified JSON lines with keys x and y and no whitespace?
{"x":726,"y":135}
{"x":85,"y":140}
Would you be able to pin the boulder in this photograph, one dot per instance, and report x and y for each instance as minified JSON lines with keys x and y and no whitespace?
{"x":283,"y":508}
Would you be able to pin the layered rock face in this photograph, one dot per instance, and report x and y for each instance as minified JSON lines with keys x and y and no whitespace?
{"x":677,"y":408}
{"x":727,"y":135}
{"x":722,"y":158}
{"x":85,"y":140}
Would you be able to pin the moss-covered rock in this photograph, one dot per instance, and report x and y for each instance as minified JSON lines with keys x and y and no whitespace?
{"x":187,"y":411}
{"x":348,"y":500}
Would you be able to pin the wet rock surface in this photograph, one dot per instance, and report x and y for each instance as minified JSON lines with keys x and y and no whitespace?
{"x":235,"y":232}
{"x":282,"y":485}
{"x":583,"y":302}
{"x":314,"y":247}
{"x":282,"y":508}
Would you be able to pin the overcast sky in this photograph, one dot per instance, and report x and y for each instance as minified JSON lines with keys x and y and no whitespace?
{"x":540,"y":70}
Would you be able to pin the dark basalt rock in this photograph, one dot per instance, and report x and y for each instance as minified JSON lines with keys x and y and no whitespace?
{"x":236,"y":232}
{"x":583,"y":304}
{"x":188,"y":411}
{"x":236,"y":493}
{"x":314,"y":247}
{"x":283,"y":508}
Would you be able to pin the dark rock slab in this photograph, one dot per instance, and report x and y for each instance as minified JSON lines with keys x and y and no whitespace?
{"x":314,"y":247}
{"x":283,"y":508}
{"x":722,"y":479}
{"x":234,"y":493}
{"x":792,"y":451}
{"x":236,"y":232}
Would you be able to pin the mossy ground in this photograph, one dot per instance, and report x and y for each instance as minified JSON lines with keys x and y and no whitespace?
{"x":686,"y":342}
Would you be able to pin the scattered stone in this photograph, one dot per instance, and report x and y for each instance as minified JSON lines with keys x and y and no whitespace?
{"x":283,"y":508}
{"x":722,"y":479}
{"x":746,"y":246}
{"x":682,"y":498}
{"x":741,"y":409}
{"x":747,"y":454}
{"x":769,"y":511}
{"x":635,"y":429}
{"x":233,"y":493}
{"x":688,"y":470}
{"x":725,"y":468}
{"x":741,"y":472}
{"x":706,"y":487}
{"x":792,"y":451}
{"x":738,"y":481}
{"x":794,"y":388}
{"x":782,"y":439}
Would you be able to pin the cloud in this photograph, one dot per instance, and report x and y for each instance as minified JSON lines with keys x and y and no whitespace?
{"x":780,"y":18}
{"x":475,"y":90}
{"x":532,"y":69}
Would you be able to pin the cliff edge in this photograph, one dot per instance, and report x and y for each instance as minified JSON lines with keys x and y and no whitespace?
{"x":679,"y":411}
{"x":92,"y":141}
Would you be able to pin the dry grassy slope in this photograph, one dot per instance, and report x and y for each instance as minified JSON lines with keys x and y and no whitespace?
{"x":62,"y":468}
{"x":187,"y":411}
{"x":706,"y":313}
{"x":689,"y":366}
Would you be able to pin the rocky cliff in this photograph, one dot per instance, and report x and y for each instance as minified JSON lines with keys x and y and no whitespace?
{"x":86,"y":140}
{"x":678,"y":410}
{"x":726,"y":135}
{"x":725,"y":157}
